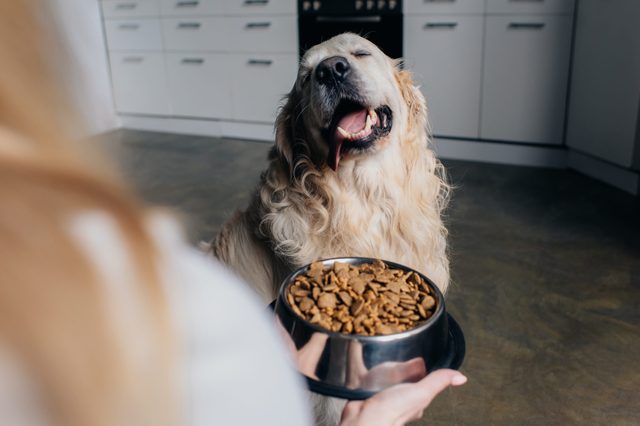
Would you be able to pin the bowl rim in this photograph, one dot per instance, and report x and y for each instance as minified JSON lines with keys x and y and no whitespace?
{"x":439,"y":312}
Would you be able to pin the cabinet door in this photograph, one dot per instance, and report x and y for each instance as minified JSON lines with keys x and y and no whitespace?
{"x":139,"y":83}
{"x":260,"y":7}
{"x":199,"y":85}
{"x":133,"y":34}
{"x":443,"y":7}
{"x":535,"y":7}
{"x":195,"y":34}
{"x":445,"y":55}
{"x":129,"y":8}
{"x":260,"y":82}
{"x":191,"y":7}
{"x":262,"y":34}
{"x":525,"y":80}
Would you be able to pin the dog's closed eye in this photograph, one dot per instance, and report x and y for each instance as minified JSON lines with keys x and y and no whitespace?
{"x":304,"y":76}
{"x":361,"y":53}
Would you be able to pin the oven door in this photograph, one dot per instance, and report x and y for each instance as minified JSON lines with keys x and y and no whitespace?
{"x":383,"y":30}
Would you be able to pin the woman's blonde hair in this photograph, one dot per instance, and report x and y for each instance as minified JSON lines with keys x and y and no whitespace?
{"x":53,"y":312}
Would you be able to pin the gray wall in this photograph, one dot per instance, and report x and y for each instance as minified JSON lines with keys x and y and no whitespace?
{"x":605,"y":87}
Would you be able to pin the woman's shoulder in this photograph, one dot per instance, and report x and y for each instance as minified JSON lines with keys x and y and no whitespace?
{"x":233,"y":358}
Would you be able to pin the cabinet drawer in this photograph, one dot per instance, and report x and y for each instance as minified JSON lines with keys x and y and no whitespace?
{"x":534,"y":7}
{"x":129,"y":8}
{"x":139,"y":83}
{"x":129,"y":34}
{"x":191,"y":7}
{"x":262,"y":34}
{"x":525,"y":78}
{"x":260,"y":7}
{"x":198,"y":85}
{"x":259,"y":84}
{"x":195,"y":34}
{"x":445,"y":55}
{"x":443,"y":7}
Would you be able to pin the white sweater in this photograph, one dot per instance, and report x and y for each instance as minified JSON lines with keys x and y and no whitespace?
{"x":235,"y":370}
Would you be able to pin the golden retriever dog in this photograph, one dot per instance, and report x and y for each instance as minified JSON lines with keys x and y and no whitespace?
{"x":350,"y":174}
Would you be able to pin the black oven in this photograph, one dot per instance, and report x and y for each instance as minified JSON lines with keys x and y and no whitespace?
{"x":378,"y":20}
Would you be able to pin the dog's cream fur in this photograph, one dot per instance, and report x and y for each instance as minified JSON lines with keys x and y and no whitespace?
{"x":384,"y":203}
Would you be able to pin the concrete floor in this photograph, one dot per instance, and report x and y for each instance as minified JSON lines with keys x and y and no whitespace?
{"x":546,"y":271}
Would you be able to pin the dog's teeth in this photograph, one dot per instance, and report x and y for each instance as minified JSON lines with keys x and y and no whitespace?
{"x":368,"y":124}
{"x":374,"y":116}
{"x":343,"y":132}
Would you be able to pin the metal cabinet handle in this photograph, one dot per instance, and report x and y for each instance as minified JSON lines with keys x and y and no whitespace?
{"x":439,"y":1}
{"x":189,"y":25}
{"x":526,"y":1}
{"x":132,"y":59}
{"x":440,"y":25}
{"x":258,"y":25}
{"x":254,"y":2}
{"x":187,"y":4}
{"x":129,"y":26}
{"x":126,"y":6}
{"x":527,"y":25}
{"x":193,"y":61}
{"x":265,"y":62}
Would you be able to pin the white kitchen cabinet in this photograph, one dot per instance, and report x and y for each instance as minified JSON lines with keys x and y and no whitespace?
{"x":198,"y":85}
{"x":445,"y":55}
{"x":139,"y":83}
{"x":133,"y":34}
{"x":262,"y":34}
{"x":129,"y":8}
{"x":534,"y":7}
{"x":195,"y":34}
{"x":526,"y":68}
{"x":443,"y":7}
{"x":191,"y":7}
{"x":259,"y":83}
{"x":260,"y":7}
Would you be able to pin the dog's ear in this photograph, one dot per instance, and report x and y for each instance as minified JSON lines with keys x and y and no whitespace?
{"x":285,"y":128}
{"x":413,"y":97}
{"x":291,"y":138}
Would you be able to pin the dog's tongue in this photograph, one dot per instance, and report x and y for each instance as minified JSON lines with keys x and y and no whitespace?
{"x":352,"y":122}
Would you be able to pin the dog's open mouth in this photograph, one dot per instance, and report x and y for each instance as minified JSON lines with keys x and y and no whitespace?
{"x":355,"y":127}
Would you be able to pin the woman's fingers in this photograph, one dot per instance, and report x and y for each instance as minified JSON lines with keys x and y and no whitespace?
{"x":401,"y":403}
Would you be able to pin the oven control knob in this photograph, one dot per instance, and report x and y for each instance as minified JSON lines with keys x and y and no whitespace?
{"x":392,"y":4}
{"x":381,"y":4}
{"x":306,"y":5}
{"x":370,"y":4}
{"x":359,"y":4}
{"x":316,"y":5}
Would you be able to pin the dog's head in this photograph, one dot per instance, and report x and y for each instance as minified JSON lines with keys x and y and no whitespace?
{"x":349,"y":101}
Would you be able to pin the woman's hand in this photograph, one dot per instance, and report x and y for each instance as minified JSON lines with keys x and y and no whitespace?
{"x":401,"y":403}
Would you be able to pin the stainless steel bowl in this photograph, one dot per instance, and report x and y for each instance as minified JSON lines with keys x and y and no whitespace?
{"x":356,"y":367}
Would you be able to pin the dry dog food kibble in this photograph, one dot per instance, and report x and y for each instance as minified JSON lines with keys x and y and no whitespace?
{"x":367,"y":299}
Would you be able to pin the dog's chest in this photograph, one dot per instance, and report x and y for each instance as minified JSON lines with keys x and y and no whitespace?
{"x":392,"y":227}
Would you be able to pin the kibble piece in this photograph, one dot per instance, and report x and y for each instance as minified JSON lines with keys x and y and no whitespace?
{"x":428,"y":302}
{"x":306,"y":304}
{"x":422,"y":311}
{"x":356,"y":307}
{"x":327,"y":300}
{"x":358,"y":285}
{"x":345,"y":297}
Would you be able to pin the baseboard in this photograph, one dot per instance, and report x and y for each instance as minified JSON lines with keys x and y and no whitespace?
{"x":199,"y":127}
{"x":624,"y":179}
{"x":501,"y":153}
{"x":172,"y":125}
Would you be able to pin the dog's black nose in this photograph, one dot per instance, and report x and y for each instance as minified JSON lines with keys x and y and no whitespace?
{"x":334,"y":68}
